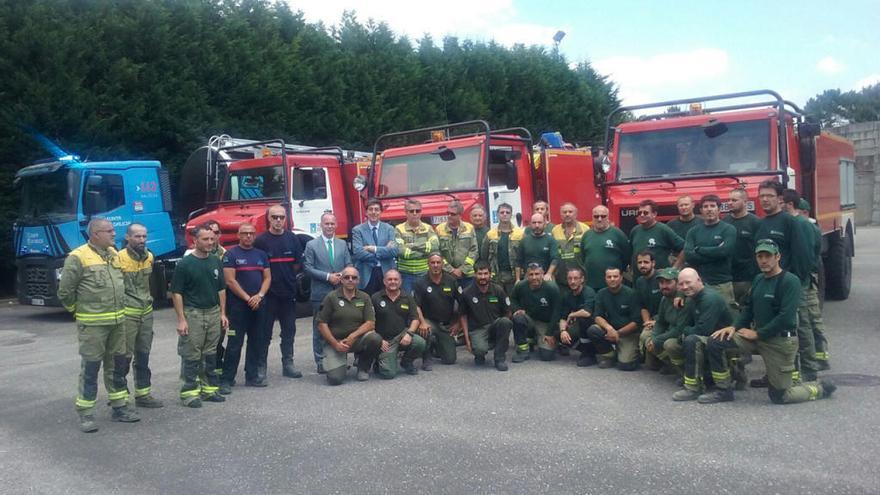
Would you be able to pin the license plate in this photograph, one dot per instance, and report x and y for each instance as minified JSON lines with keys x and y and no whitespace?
{"x":38,"y":302}
{"x":437,"y":220}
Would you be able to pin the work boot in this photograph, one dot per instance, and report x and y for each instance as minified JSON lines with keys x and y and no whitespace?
{"x":193,"y":403}
{"x":586,"y":360}
{"x":605,"y":363}
{"x":262,"y":374}
{"x":808,"y":376}
{"x":479,"y":360}
{"x":363,"y":375}
{"x":409,"y":367}
{"x":520,"y":356}
{"x":254,"y":382}
{"x":125,"y":414}
{"x":828,"y":388}
{"x":762,"y":382}
{"x":87,"y":423}
{"x":718,"y":395}
{"x":823,"y":365}
{"x":213,"y":398}
{"x":500,"y":366}
{"x":685,"y":395}
{"x":148,"y":402}
{"x":564,"y":351}
{"x":319,"y":367}
{"x":224,"y":388}
{"x":426,"y":363}
{"x":288,"y":370}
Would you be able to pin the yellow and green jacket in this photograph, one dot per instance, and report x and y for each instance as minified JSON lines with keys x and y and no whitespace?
{"x":136,"y":271}
{"x":490,"y":249}
{"x":569,"y":250}
{"x":414,"y":246}
{"x":92,"y":286}
{"x":459,"y":250}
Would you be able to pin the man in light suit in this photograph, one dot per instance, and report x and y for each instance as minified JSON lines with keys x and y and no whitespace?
{"x":325,"y":257}
{"x":373,"y":249}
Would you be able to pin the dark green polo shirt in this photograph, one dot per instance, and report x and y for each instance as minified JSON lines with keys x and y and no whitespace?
{"x":542,"y":250}
{"x":659,"y":239}
{"x":648,"y":290}
{"x":483,"y":308}
{"x":681,"y":228}
{"x":772,"y":309}
{"x":668,"y":322}
{"x":707,"y":312}
{"x":600,"y":250}
{"x":542,"y":304}
{"x":437,"y":300}
{"x":393,"y":317}
{"x":618,"y":309}
{"x":344,"y":316}
{"x":572,"y":302}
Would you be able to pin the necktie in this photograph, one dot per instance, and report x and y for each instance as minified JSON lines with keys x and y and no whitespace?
{"x":330,"y":250}
{"x":376,"y":242}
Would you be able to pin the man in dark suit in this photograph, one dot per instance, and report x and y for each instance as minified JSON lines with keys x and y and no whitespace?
{"x":373,"y":249}
{"x":325,"y":257}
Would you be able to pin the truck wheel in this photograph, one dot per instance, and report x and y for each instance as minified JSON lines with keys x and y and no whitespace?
{"x":159,"y":286}
{"x":838,"y":269}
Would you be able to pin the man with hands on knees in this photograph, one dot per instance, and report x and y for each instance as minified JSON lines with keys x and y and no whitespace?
{"x":396,"y":322}
{"x":485,"y":310}
{"x":578,"y":304}
{"x":536,"y":304}
{"x":616,"y":330}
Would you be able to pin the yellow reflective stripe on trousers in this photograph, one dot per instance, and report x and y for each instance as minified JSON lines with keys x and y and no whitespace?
{"x":111,"y":317}
{"x":186,"y":394}
{"x":720,"y":375}
{"x":207,"y":389}
{"x":122,"y":394}
{"x":522,"y":347}
{"x":129,"y":311}
{"x":690,"y":381}
{"x":80,"y":402}
{"x":140,"y":392}
{"x":71,"y":308}
{"x":814,"y":391}
{"x":796,"y":375}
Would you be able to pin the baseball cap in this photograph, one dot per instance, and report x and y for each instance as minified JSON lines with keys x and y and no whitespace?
{"x":766,"y":246}
{"x":803,"y":204}
{"x":668,"y":273}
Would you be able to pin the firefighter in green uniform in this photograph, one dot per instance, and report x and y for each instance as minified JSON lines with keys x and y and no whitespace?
{"x":743,"y":265}
{"x":576,"y":316}
{"x":219,"y":252}
{"x":415,"y":241}
{"x":137,"y":266}
{"x":707,"y":312}
{"x":501,"y":247}
{"x":766,"y":326}
{"x":656,"y":236}
{"x":458,"y":245}
{"x":538,"y":246}
{"x":536,"y":304}
{"x":814,"y":311}
{"x":686,"y":218}
{"x":481,"y":227}
{"x":662,"y":332}
{"x":436,"y":294}
{"x":616,"y":330}
{"x":397,"y":319}
{"x":199,"y":294}
{"x":603,"y":246}
{"x":92,"y":288}
{"x":710,"y":246}
{"x":346,"y":321}
{"x":485,"y":311}
{"x":568,"y":236}
{"x":542,"y":208}
{"x":647,"y":289}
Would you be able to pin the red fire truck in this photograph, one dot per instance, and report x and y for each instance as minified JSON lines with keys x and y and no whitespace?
{"x":688,"y":148}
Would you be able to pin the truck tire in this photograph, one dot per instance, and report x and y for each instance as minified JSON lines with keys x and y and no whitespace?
{"x":838,"y":269}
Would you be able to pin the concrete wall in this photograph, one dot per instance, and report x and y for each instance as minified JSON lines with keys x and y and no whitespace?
{"x":866,"y":138}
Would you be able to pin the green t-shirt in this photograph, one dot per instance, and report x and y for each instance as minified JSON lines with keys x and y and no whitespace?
{"x":393,"y":317}
{"x":794,"y":251}
{"x":437,"y":300}
{"x":772,"y":309}
{"x":743,"y":265}
{"x":572,"y":302}
{"x":542,"y":250}
{"x":659,"y":239}
{"x":600,"y":250}
{"x":707,"y":312}
{"x":681,"y":228}
{"x":669,"y":321}
{"x":542,"y":304}
{"x":709,"y":250}
{"x":648,"y":290}
{"x":344,"y":316}
{"x":199,"y":280}
{"x":483,"y":308}
{"x":618,"y":309}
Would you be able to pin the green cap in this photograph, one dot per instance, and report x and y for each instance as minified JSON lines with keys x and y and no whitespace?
{"x":803,"y":204}
{"x":668,"y":273}
{"x":767,"y":246}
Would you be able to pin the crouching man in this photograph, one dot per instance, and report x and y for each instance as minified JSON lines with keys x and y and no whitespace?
{"x":397,"y":320}
{"x":485,"y":312}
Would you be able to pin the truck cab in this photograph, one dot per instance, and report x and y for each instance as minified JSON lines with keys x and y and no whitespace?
{"x":60,"y":197}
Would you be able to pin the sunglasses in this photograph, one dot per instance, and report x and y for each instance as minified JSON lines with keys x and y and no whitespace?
{"x":600,"y":216}
{"x":413,"y":211}
{"x":644,"y":213}
{"x":247,"y":233}
{"x":452,"y":213}
{"x":278,"y":217}
{"x":216,"y":232}
{"x":349,"y":277}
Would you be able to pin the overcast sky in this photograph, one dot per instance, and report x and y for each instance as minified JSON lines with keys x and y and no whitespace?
{"x":656,"y":50}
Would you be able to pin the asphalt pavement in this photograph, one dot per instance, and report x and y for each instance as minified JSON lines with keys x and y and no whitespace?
{"x":538,"y":428}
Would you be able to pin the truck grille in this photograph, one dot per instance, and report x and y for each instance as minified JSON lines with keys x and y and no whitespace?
{"x":36,"y":282}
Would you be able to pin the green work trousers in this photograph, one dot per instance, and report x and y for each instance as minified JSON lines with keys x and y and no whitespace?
{"x":198,"y":353}
{"x":97,"y":344}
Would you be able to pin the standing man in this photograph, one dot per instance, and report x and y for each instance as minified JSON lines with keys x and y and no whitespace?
{"x":814,"y":313}
{"x":710,"y":246}
{"x":485,"y":318}
{"x":542,"y":208}
{"x":576,"y":316}
{"x":92,"y":288}
{"x":766,"y":326}
{"x":248,"y":277}
{"x":743,"y":264}
{"x":603,"y":246}
{"x":373,"y":248}
{"x":415,"y":241}
{"x":136,"y":262}
{"x":481,"y":227}
{"x":458,"y":245}
{"x":707,"y":313}
{"x":536,"y":304}
{"x":436,"y":294}
{"x":199,"y":293}
{"x":568,"y":236}
{"x":285,"y":253}
{"x":655,"y":236}
{"x":325,"y":257}
{"x":218,"y":251}
{"x":617,"y":323}
{"x":539,"y":247}
{"x":397,"y":319}
{"x":346,"y":322}
{"x":686,"y":218}
{"x":501,"y":247}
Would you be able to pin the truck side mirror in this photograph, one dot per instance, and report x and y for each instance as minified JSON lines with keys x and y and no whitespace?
{"x":714,"y":128}
{"x":807,"y":153}
{"x":511,"y":180}
{"x":446,"y":154}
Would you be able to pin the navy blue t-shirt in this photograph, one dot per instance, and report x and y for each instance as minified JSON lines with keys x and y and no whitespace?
{"x":285,"y":252}
{"x":249,"y":265}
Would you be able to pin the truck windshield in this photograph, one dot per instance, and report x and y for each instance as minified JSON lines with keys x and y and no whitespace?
{"x":254,"y":183}
{"x":745,"y":147}
{"x":49,"y":197}
{"x":425,"y":172}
